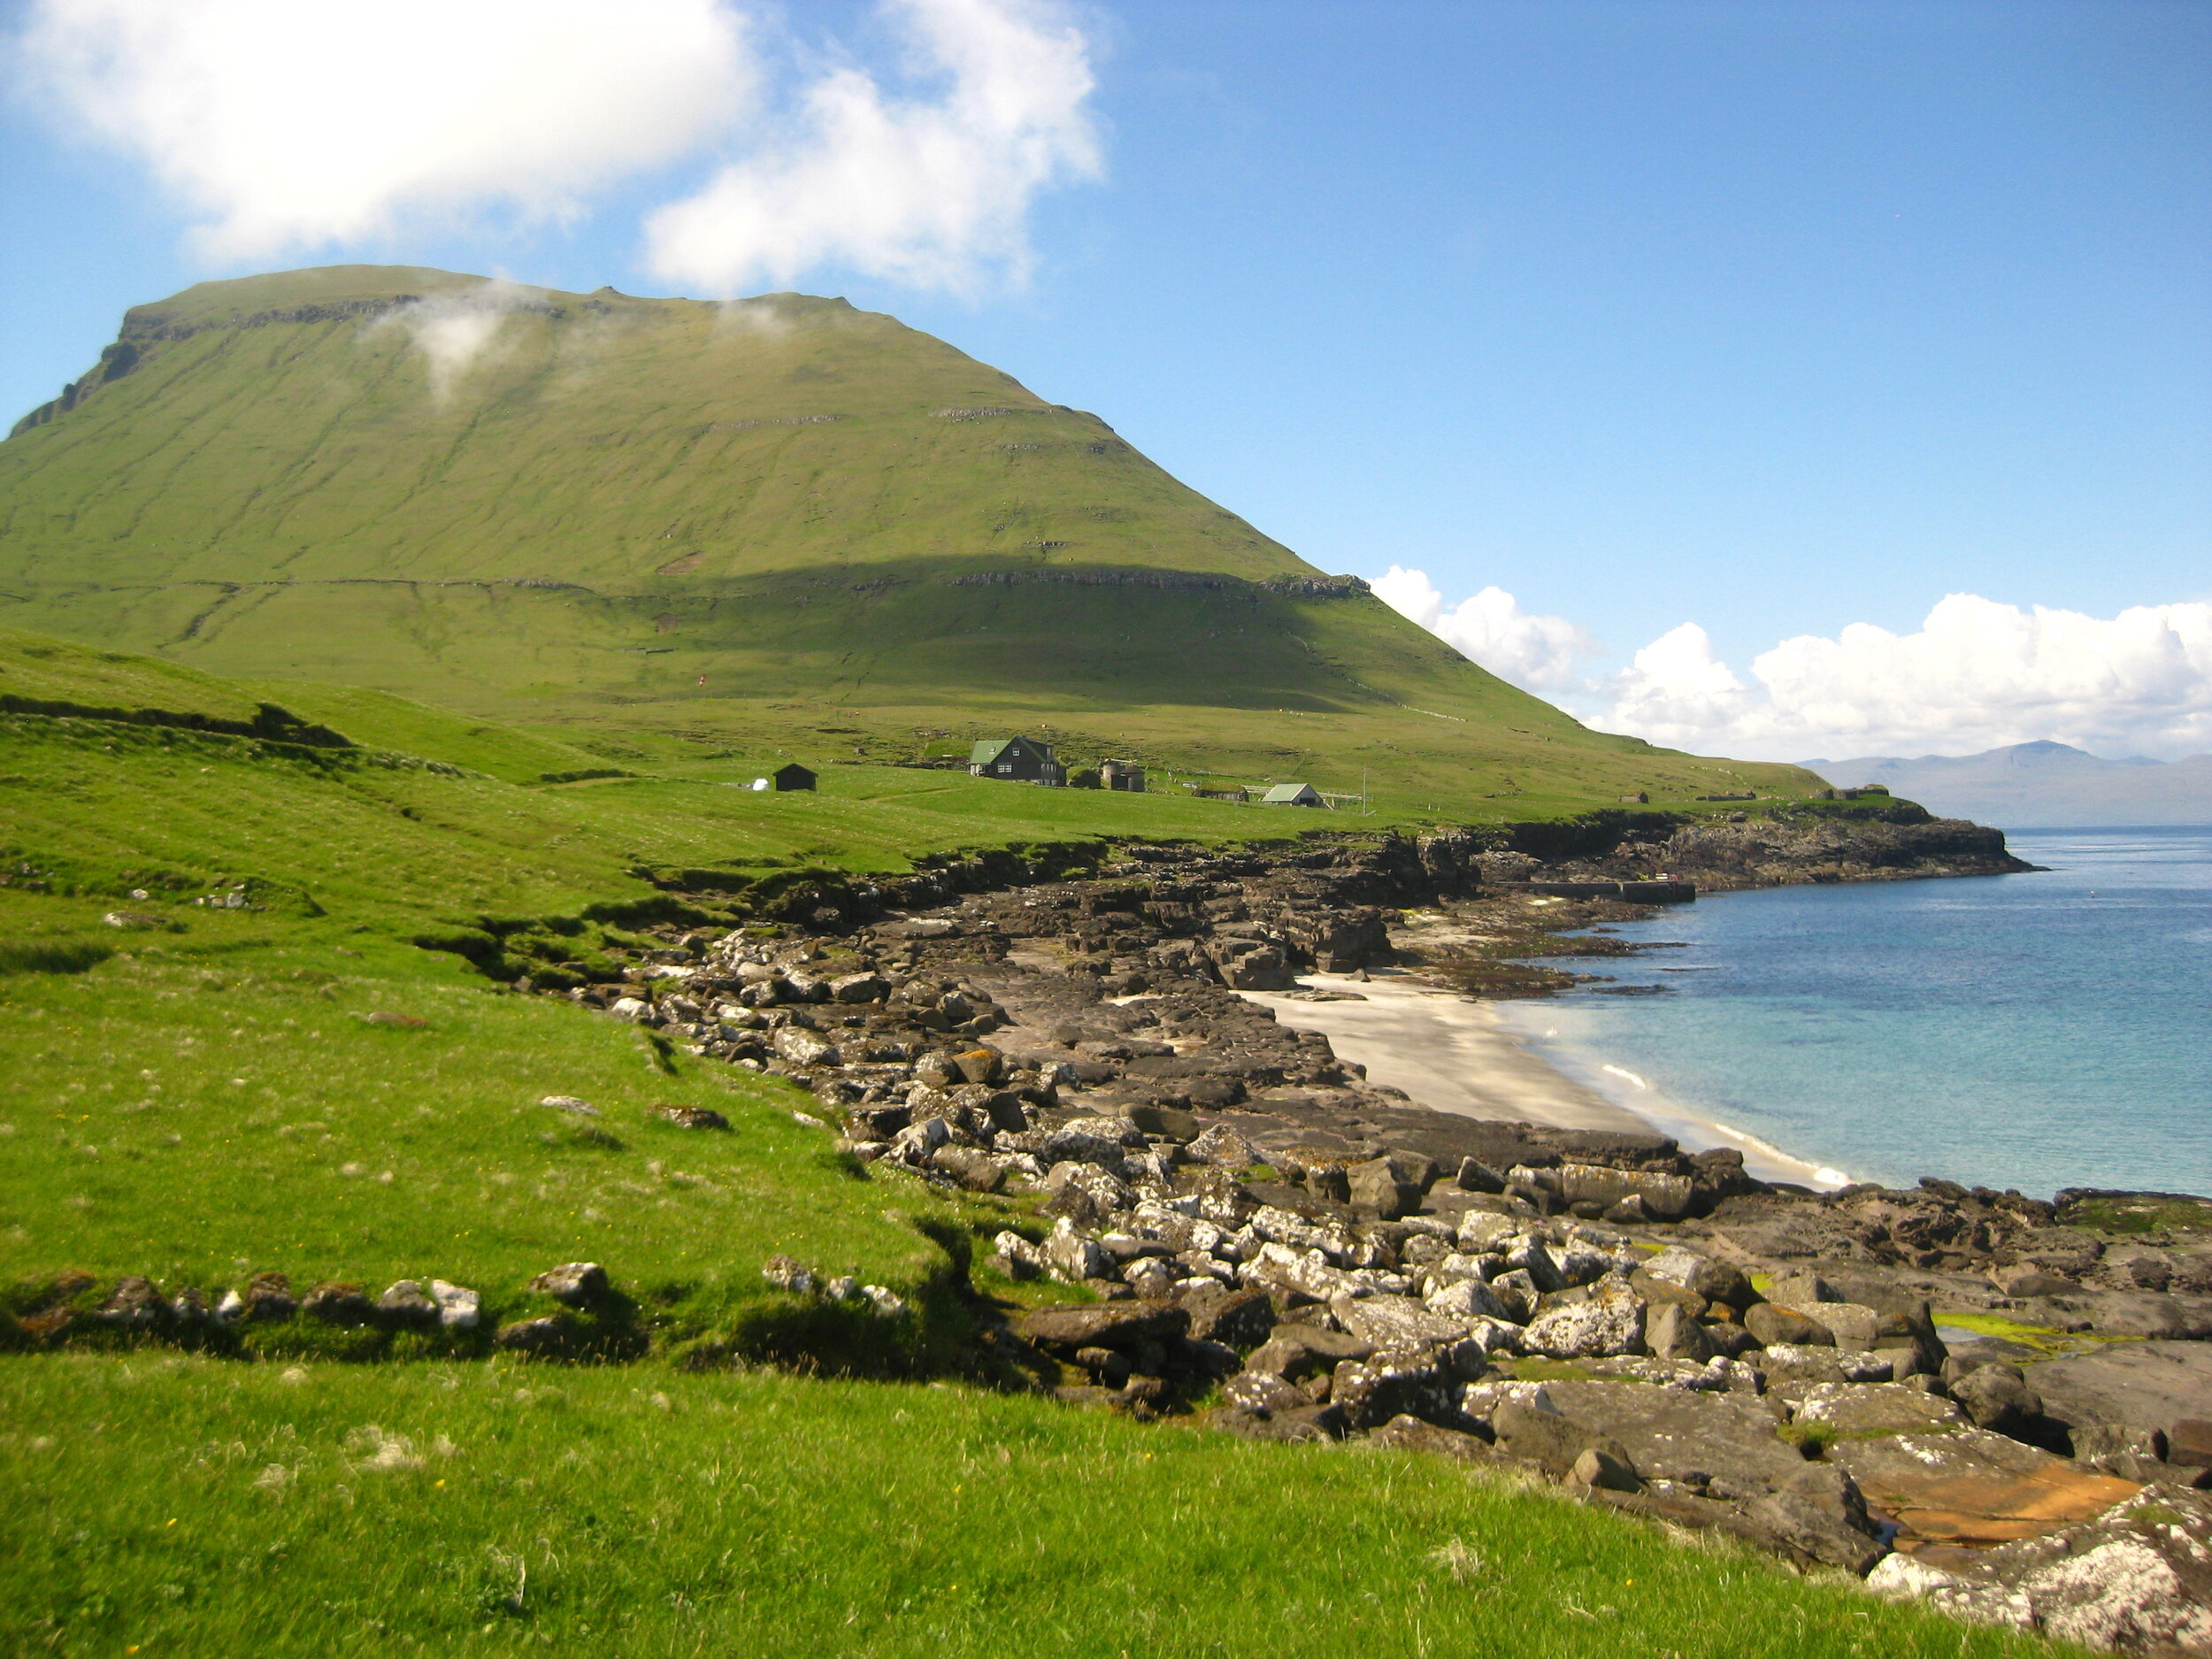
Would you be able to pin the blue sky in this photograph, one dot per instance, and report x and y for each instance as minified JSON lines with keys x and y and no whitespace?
{"x":1766,"y":319}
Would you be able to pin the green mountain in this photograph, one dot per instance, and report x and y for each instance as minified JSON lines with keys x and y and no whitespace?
{"x":647,"y":527}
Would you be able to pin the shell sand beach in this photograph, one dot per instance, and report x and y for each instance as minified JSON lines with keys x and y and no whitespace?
{"x":1456,"y":1054}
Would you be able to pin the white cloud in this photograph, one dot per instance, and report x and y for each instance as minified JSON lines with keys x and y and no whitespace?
{"x":930,"y":192}
{"x":1536,"y":653}
{"x":285,"y":125}
{"x":1977,"y":674}
{"x":457,"y":331}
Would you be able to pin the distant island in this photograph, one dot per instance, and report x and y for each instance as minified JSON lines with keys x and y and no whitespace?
{"x":2040,"y":785}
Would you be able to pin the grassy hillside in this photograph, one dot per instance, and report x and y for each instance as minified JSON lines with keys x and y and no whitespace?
{"x":654,"y":527}
{"x":202,"y":1095}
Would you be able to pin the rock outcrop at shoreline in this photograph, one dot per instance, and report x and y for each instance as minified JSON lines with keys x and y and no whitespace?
{"x":1989,"y":1401}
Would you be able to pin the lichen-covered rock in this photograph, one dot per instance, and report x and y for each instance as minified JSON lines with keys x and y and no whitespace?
{"x":1072,"y":1256}
{"x":1394,"y":1321}
{"x":801,"y":1047}
{"x":1969,"y":1486}
{"x":1465,"y":1301}
{"x":1390,"y":1382}
{"x":2137,"y":1578}
{"x":1223,"y":1145}
{"x":1866,"y":1410}
{"x":459,"y":1308}
{"x":1612,"y":1321}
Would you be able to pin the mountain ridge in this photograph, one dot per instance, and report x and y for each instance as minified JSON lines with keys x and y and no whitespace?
{"x":674,"y":522}
{"x":2041,"y":785}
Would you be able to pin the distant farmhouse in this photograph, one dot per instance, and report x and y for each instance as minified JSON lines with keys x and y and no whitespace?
{"x":1293,"y":794}
{"x":1017,"y":760}
{"x":1121,"y":774}
{"x":783,"y":778}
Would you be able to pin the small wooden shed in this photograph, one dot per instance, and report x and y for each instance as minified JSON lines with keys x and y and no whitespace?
{"x":1293,"y":794}
{"x":792,"y":776}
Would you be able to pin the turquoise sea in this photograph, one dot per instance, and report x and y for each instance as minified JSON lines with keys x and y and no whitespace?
{"x":2034,"y":1031}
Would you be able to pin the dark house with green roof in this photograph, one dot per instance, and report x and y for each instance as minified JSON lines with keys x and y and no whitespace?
{"x":1017,"y":760}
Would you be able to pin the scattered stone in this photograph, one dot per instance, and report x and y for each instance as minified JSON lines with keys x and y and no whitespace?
{"x":1223,"y":1145}
{"x":786,"y":1274}
{"x":1016,"y":1257}
{"x":691,"y":1116}
{"x":1598,"y":1468}
{"x":338,"y":1303}
{"x":569,"y":1103}
{"x":1072,"y":1258}
{"x":268,"y":1296}
{"x":459,"y":1308}
{"x":1776,"y":1325}
{"x":407,"y":1303}
{"x":573,"y":1284}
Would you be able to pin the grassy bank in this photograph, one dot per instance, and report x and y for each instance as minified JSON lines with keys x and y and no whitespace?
{"x":183,"y":1506}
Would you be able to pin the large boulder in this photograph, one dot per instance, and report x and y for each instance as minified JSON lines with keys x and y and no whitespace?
{"x":1297,"y":1351}
{"x":1777,"y":1325}
{"x":1390,"y":1382}
{"x":1119,"y":1326}
{"x":1551,"y":1440}
{"x":1821,"y":1514}
{"x":1671,"y":1332}
{"x":1394,"y":1321}
{"x":1388,"y":1186}
{"x":1665,"y":1197}
{"x":1686,"y":1270}
{"x":1609,"y":1321}
{"x":2126,"y":1396}
{"x":2134,"y":1578}
{"x":1864,"y":1410}
{"x":1998,"y":1398}
{"x":1969,"y":1486}
{"x":1725,"y":1442}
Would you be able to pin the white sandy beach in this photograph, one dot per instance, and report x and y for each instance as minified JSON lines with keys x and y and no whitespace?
{"x":1458,"y":1055}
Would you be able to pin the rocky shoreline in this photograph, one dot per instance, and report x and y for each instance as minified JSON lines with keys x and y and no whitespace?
{"x":1270,"y":1240}
{"x":1996,"y":1403}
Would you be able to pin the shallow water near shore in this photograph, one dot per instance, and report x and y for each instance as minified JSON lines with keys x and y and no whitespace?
{"x":2033,"y":1031}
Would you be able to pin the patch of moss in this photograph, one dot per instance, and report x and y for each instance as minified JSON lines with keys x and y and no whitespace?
{"x":2140,"y":1213}
{"x":1812,"y":1440}
{"x":2042,"y":1337}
